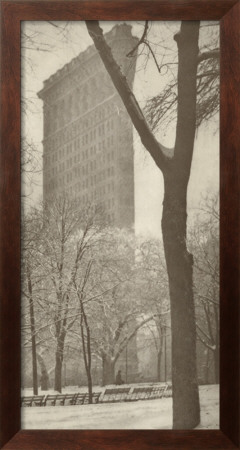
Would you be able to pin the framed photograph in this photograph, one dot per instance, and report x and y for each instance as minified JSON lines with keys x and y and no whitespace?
{"x":102,"y":104}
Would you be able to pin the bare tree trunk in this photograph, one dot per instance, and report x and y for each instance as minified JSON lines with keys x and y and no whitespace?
{"x":89,"y":374}
{"x":216,"y":364}
{"x":216,"y":351}
{"x":207,"y":367}
{"x":58,"y":373}
{"x":108,"y":366}
{"x":33,"y":336}
{"x":186,"y":411}
{"x":34,"y":350}
{"x":186,"y":407}
{"x":58,"y":364}
{"x":86,"y":345}
{"x":159,"y":357}
{"x":44,"y":373}
{"x":89,"y":378}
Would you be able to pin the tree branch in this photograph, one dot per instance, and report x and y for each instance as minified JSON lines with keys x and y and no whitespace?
{"x":141,"y":40}
{"x":128,"y":338}
{"x":213,"y":54}
{"x":155,"y":149}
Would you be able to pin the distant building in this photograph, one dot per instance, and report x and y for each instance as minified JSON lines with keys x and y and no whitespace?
{"x":88,"y":136}
{"x":88,"y":141}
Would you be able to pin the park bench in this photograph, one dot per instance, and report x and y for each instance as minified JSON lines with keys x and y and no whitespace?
{"x":69,"y":399}
{"x":79,"y":398}
{"x":95,"y":397}
{"x":59,"y":399}
{"x":168,"y":392}
{"x":115,"y":395}
{"x":36,"y":400}
{"x":158,"y":391}
{"x":140,"y":393}
{"x":83,"y":398}
{"x":50,"y":399}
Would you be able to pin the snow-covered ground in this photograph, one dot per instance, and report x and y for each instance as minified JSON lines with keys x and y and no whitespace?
{"x":145,"y":414}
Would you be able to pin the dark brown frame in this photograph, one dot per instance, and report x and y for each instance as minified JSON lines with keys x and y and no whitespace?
{"x":228,"y":12}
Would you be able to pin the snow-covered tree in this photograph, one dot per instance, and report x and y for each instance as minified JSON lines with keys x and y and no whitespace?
{"x":204,"y":239}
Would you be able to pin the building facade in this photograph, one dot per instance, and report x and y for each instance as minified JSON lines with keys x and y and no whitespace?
{"x":88,"y":136}
{"x":88,"y":150}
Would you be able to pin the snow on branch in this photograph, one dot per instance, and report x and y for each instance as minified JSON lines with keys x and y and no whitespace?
{"x":212,"y":54}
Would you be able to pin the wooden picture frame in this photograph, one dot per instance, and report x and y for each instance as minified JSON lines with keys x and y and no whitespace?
{"x":13,"y":12}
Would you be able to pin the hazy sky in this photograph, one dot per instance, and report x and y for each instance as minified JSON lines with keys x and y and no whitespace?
{"x":59,"y":44}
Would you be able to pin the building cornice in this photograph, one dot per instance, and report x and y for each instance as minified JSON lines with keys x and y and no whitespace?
{"x":83,"y":57}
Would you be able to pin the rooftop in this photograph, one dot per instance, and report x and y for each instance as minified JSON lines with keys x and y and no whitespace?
{"x":118,"y":31}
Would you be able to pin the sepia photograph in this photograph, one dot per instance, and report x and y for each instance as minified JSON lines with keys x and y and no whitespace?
{"x":120,"y":225}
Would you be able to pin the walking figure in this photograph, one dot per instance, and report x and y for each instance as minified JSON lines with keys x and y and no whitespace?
{"x":119,"y":379}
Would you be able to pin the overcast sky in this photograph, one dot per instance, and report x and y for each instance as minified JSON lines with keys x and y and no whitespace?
{"x":58,"y":44}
